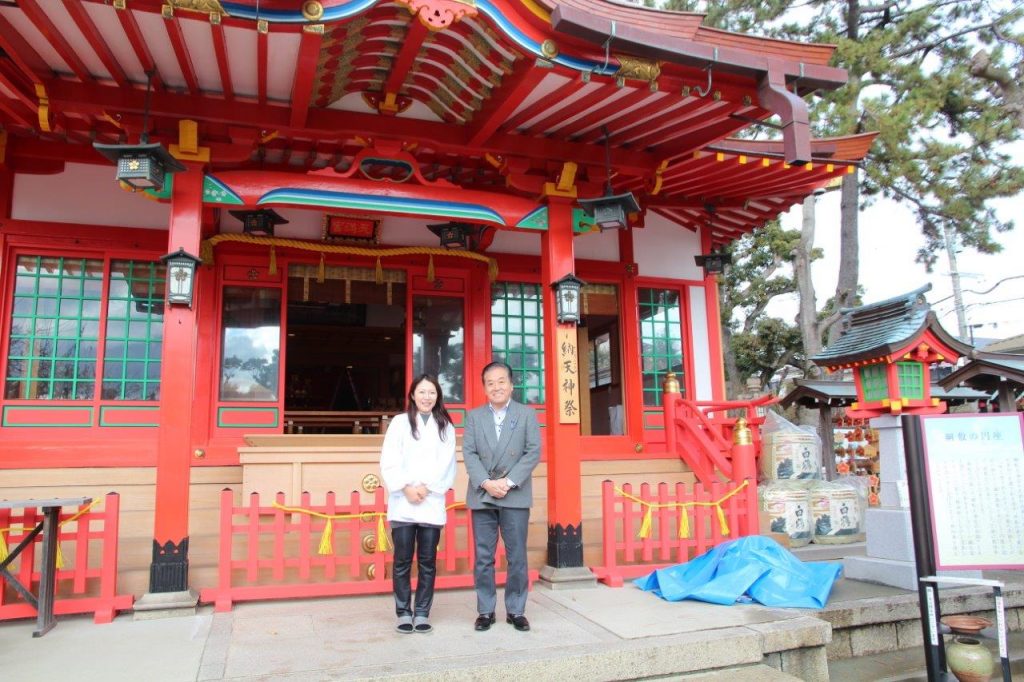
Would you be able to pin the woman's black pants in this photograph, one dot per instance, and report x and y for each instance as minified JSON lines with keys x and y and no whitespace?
{"x":423,"y":540}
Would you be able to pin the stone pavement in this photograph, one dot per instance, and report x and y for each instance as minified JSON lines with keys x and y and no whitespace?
{"x":591,"y":634}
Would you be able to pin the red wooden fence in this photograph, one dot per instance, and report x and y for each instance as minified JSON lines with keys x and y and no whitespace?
{"x":628,"y":556}
{"x":267,"y":552}
{"x":88,"y":545}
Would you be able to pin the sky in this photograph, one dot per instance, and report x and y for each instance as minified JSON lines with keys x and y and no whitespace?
{"x":889,"y":240}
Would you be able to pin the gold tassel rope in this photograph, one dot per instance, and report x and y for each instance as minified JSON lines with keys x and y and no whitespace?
{"x":379,"y":273}
{"x":722,"y":524}
{"x":645,"y":526}
{"x":430,"y":269}
{"x":4,"y":552}
{"x":60,"y":557}
{"x":684,"y":524}
{"x":382,"y":535}
{"x":272,"y":269}
{"x":326,"y":539}
{"x":321,"y":273}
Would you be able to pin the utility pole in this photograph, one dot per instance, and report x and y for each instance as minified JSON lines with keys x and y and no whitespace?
{"x":954,"y":275}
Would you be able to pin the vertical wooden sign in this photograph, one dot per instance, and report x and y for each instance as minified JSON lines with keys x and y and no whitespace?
{"x":568,"y":376}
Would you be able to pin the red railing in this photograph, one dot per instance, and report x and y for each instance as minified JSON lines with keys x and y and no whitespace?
{"x":88,"y":545}
{"x":273,"y":552}
{"x":627,"y":555}
{"x":701,"y":432}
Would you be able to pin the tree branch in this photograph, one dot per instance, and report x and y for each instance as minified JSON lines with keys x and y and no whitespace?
{"x":944,"y":39}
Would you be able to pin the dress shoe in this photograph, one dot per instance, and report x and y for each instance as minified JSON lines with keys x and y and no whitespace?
{"x":518,"y":622}
{"x":484,"y":622}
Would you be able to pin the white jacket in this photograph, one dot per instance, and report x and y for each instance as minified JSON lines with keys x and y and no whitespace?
{"x":428,"y":460}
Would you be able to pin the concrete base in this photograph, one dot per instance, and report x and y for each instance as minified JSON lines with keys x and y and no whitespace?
{"x":902,"y":574}
{"x":889,"y":534}
{"x":153,"y":605}
{"x":574,"y":578}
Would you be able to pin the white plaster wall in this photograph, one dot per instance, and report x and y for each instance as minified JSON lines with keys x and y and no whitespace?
{"x":508,"y":241}
{"x":665,"y":249}
{"x":597,"y":246}
{"x":86,"y":194}
{"x":699,"y":343}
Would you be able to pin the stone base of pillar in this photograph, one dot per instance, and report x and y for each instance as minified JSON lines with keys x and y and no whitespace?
{"x":153,"y":605}
{"x":569,"y":578}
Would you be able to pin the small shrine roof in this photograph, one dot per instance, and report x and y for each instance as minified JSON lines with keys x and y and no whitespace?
{"x":986,"y":371}
{"x":878,"y":330}
{"x":819,"y":393}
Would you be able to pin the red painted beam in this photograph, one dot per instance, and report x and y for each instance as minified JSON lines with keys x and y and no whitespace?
{"x":138,"y":43}
{"x":177,"y":38}
{"x":526,"y":75}
{"x":56,"y":39}
{"x":305,"y":72}
{"x":99,"y":45}
{"x":220,"y":49}
{"x":22,"y":54}
{"x":403,"y":61}
{"x":335,"y":125}
{"x":261,"y":67}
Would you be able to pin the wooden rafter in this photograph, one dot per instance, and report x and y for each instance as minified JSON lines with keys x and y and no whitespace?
{"x":99,"y":45}
{"x":177,"y":38}
{"x":305,"y":73}
{"x":601,"y":114}
{"x":691,"y":135}
{"x":220,"y":49}
{"x":583,"y":103}
{"x":142,"y":53}
{"x":544,"y":104}
{"x":640,"y":127}
{"x":503,"y":101}
{"x":23,"y":55}
{"x":42,"y":22}
{"x":627,"y":120}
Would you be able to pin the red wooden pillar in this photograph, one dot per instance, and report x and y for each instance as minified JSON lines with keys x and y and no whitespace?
{"x":168,"y":571}
{"x":565,"y":517}
{"x":714,"y":322}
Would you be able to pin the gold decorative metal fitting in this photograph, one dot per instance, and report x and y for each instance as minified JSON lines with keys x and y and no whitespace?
{"x":371,"y":571}
{"x":369,"y":543}
{"x":203,"y":6}
{"x":741,"y":434}
{"x":263,"y":26}
{"x":312,"y":10}
{"x":638,"y":447}
{"x":637,"y":68}
{"x":199,"y":453}
{"x":670,"y":384}
{"x":549,"y":49}
{"x":371,"y":482}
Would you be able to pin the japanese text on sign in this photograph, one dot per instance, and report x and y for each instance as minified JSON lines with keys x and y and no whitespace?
{"x":568,"y":377}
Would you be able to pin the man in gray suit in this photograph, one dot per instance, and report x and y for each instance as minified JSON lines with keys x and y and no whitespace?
{"x":501,"y":448}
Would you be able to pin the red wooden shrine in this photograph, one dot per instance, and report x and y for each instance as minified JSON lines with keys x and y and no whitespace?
{"x":364,"y":126}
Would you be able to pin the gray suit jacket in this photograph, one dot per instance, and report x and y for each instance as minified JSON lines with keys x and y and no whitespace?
{"x":514,"y":456}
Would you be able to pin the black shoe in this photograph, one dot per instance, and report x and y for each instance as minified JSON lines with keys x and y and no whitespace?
{"x":518,"y":622}
{"x":484,"y":622}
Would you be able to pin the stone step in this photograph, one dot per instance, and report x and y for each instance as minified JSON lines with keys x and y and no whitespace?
{"x":816,"y":552}
{"x":747,"y":673}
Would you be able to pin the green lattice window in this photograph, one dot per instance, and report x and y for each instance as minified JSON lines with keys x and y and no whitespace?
{"x":517,"y":336}
{"x":55,"y":325}
{"x":135,"y":330}
{"x":873,"y":381}
{"x":661,"y":340}
{"x":911,"y":376}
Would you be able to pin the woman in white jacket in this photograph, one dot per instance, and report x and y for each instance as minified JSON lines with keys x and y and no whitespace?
{"x":417,"y":463}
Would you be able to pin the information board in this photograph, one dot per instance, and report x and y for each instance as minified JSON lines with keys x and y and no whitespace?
{"x":974,"y":470}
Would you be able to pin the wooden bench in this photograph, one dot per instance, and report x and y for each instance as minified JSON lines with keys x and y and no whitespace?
{"x":330,"y":421}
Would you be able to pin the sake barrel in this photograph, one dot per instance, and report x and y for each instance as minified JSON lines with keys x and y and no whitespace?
{"x":788,"y":508}
{"x":837,"y":513}
{"x":790,"y":455}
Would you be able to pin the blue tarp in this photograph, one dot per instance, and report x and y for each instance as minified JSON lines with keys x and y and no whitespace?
{"x":756,"y":566}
